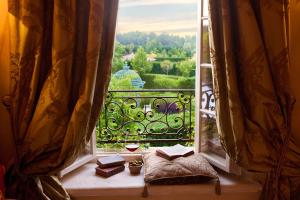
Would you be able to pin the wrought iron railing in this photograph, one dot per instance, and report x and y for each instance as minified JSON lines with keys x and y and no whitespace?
{"x":152,"y":116}
{"x":147,"y":116}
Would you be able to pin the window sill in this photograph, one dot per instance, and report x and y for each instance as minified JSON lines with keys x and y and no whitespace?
{"x":84,"y":184}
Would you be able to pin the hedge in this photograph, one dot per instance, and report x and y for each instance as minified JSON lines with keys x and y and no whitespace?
{"x":156,"y":69}
{"x":170,"y":59}
{"x":160,"y":81}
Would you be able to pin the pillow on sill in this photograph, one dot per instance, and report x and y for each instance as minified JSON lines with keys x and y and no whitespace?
{"x":182,"y":170}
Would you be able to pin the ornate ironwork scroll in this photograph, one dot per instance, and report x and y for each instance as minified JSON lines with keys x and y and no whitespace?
{"x":147,"y":116}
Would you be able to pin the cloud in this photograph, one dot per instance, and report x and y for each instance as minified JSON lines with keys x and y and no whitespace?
{"x":177,"y":27}
{"x":134,"y":3}
{"x":160,"y":16}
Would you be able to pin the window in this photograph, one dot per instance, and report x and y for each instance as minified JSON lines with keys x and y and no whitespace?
{"x":208,"y":140}
{"x":179,"y":106}
{"x":88,"y":154}
{"x":151,"y":100}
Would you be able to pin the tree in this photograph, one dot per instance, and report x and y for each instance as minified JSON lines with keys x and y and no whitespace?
{"x":157,"y":42}
{"x":177,"y":53}
{"x":185,"y":67}
{"x":163,"y":54}
{"x":130,"y":48}
{"x":117,"y":59}
{"x":152,"y":46}
{"x":166,"y":66}
{"x":140,"y":63}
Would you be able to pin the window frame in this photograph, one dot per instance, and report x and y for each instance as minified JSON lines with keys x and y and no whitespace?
{"x":225,"y":164}
{"x":91,"y":154}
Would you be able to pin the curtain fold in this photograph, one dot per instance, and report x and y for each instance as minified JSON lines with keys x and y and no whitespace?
{"x":60,"y":64}
{"x":250,"y":56}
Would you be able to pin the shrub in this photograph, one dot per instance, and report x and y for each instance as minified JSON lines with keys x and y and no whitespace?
{"x":170,"y":59}
{"x":185,"y":67}
{"x":186,"y":83}
{"x":156,"y":69}
{"x":159,"y":81}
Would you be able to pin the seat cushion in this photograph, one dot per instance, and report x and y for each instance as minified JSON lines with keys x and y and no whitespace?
{"x":182,"y":170}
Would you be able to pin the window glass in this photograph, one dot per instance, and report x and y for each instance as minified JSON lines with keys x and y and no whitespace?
{"x":210,"y":141}
{"x":205,"y":56}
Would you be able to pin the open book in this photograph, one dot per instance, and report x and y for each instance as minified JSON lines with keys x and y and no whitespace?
{"x":173,"y":152}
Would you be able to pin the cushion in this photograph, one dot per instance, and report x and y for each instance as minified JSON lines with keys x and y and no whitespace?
{"x":182,"y":170}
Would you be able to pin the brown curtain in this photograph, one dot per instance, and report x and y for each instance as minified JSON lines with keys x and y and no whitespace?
{"x":250,"y":58}
{"x":60,"y":64}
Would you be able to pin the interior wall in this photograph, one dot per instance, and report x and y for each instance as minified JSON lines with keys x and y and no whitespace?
{"x":295,"y":66}
{"x":6,"y":147}
{"x":5,"y":130}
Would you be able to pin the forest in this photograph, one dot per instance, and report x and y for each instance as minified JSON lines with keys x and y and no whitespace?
{"x":172,"y":55}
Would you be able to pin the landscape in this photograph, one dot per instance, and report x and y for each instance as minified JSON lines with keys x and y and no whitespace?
{"x":143,"y":62}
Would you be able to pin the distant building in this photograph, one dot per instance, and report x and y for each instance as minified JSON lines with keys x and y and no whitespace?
{"x":151,"y":57}
{"x":135,"y":79}
{"x":128,"y":57}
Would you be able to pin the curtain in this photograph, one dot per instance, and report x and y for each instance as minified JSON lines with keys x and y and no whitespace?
{"x":250,"y":56}
{"x":60,"y":64}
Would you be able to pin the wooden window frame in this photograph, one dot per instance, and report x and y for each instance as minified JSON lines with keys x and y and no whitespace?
{"x":225,"y":164}
{"x":90,"y":155}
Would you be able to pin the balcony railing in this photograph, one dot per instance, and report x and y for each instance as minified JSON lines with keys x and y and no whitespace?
{"x":147,"y":116}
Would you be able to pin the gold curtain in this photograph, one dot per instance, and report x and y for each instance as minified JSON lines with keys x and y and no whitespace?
{"x":60,"y":64}
{"x":250,"y":56}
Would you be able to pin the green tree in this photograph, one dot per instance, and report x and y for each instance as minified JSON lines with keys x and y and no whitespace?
{"x":152,"y":46}
{"x":177,"y":53}
{"x":130,"y":48}
{"x":163,"y":54}
{"x":185,"y":67}
{"x":140,"y":63}
{"x":117,"y":59}
{"x":166,"y":66}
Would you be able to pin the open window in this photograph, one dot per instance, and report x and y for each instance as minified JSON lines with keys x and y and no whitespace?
{"x":151,"y":97}
{"x":154,"y":117}
{"x":208,"y":139}
{"x":87,"y":155}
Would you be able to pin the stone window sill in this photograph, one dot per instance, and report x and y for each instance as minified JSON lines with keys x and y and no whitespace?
{"x":82,"y":183}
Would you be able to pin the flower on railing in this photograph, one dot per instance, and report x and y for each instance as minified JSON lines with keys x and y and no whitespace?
{"x":168,"y":108}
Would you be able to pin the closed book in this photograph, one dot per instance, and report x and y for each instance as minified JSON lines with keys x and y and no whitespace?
{"x":110,"y":161}
{"x":107,"y":172}
{"x":173,"y":152}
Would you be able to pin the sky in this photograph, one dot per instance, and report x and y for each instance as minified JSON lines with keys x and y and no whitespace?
{"x":177,"y":17}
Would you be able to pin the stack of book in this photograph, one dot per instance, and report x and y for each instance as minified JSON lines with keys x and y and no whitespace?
{"x":173,"y":152}
{"x":110,"y":165}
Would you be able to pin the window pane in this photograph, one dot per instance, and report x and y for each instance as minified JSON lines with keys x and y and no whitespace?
{"x":205,"y":57}
{"x":206,"y":76}
{"x":205,"y":8}
{"x":210,"y":141}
